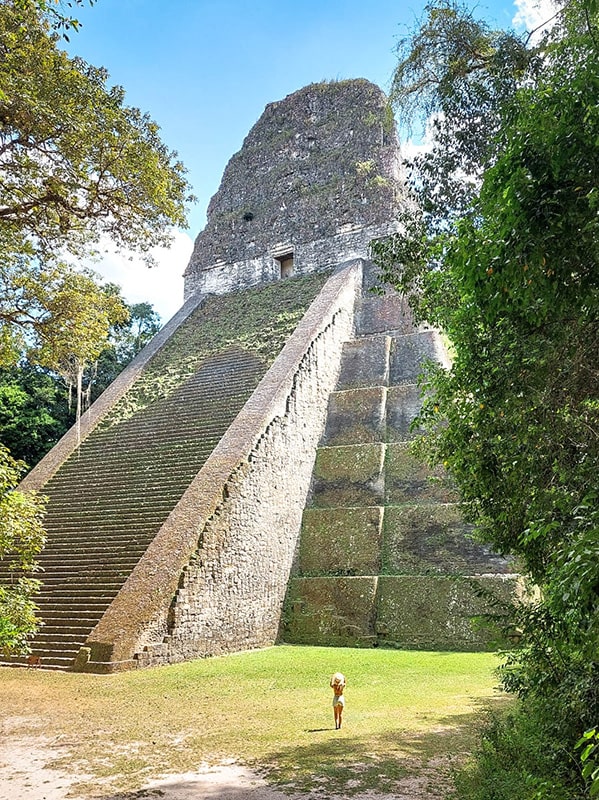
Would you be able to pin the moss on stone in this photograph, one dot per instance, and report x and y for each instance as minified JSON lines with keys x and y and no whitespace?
{"x":355,"y":416}
{"x":420,"y":539}
{"x":355,"y":463}
{"x":258,"y":321}
{"x":350,"y":475}
{"x":335,"y":612}
{"x":341,"y":541}
{"x":403,"y":406}
{"x":440,"y":613}
{"x":407,"y":479}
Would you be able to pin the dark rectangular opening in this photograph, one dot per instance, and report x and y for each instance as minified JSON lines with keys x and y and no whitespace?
{"x":285,"y":265}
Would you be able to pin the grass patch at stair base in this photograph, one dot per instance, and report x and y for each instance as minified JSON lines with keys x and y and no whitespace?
{"x":270,"y":709}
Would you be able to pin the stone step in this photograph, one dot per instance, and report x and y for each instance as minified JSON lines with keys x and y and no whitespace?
{"x":116,"y":563}
{"x":105,"y":537}
{"x":50,"y":594}
{"x":433,"y":539}
{"x":410,"y":353}
{"x":341,"y":541}
{"x":406,"y":611}
{"x":356,"y":416}
{"x":106,"y":518}
{"x":49,"y":660}
{"x":154,"y":484}
{"x":111,"y":549}
{"x":57,"y":604}
{"x":349,"y":475}
{"x":149,"y":467}
{"x":98,"y":584}
{"x":103,"y":589}
{"x":98,"y":489}
{"x":67,"y":645}
{"x":77,"y":633}
{"x":71,"y":617}
{"x":150,"y":443}
{"x":73,"y":537}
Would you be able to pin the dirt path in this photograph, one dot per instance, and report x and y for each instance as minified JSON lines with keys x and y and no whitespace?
{"x":26,"y":774}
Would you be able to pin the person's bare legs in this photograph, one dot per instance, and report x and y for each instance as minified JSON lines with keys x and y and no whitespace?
{"x":337,"y":711}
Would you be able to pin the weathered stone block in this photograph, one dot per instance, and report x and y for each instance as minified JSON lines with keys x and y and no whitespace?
{"x":407,"y":479}
{"x":408,"y":354}
{"x":440,"y":613}
{"x":403,"y":406}
{"x":335,"y":612}
{"x":341,"y":541}
{"x":365,"y":363}
{"x":355,"y":416}
{"x":349,"y":475}
{"x":433,"y":538}
{"x":380,"y":314}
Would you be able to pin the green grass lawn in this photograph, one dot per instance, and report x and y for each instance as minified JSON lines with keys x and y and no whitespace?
{"x":270,"y":709}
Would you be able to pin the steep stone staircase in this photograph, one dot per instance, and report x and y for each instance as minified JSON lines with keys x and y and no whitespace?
{"x":383,"y":550}
{"x":110,"y":498}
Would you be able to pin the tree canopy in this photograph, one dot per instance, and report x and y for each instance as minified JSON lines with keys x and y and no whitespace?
{"x":34,"y":402}
{"x":76,"y":161}
{"x":507,"y":265}
{"x":76,"y":165}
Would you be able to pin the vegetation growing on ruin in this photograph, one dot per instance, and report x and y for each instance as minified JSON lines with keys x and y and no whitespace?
{"x":258,"y":321}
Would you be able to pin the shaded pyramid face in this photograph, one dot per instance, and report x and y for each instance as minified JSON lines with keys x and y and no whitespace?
{"x":316,"y":180}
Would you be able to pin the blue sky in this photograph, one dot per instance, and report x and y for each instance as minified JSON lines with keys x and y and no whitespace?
{"x":205,"y":69}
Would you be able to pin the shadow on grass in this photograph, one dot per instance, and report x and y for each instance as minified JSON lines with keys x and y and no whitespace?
{"x":216,"y":784}
{"x":348,"y":765}
{"x":400,"y":762}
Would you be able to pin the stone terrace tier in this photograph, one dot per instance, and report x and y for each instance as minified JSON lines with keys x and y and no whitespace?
{"x":385,"y":558}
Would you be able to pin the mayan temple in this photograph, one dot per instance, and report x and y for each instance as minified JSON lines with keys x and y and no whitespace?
{"x":247,"y":479}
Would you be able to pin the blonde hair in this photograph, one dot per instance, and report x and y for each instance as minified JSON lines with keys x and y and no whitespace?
{"x":338,"y":680}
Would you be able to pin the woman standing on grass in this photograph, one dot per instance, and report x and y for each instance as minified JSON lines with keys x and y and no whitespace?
{"x":338,"y":685}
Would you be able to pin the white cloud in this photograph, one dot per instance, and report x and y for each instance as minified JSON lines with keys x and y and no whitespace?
{"x":423,"y":142}
{"x":162,"y":285}
{"x":532,"y":14}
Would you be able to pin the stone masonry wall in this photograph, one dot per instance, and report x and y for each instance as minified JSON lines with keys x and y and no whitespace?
{"x":214,"y":577}
{"x":350,"y":243}
{"x":317,"y":178}
{"x":231,"y":594}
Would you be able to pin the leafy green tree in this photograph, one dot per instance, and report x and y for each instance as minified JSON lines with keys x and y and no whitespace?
{"x":34,"y":411}
{"x":34,"y":401}
{"x":57,"y":13}
{"x":511,"y":273}
{"x":73,"y":338}
{"x":453,"y":77}
{"x":76,"y":164}
{"x":21,"y":538}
